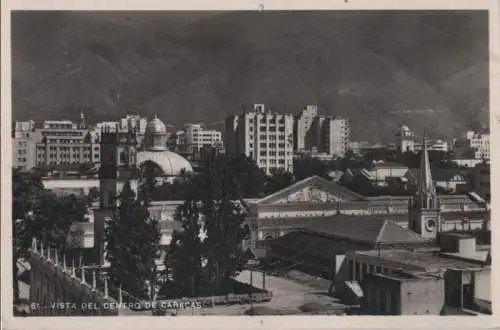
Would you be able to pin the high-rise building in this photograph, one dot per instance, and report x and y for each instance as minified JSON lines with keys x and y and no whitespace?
{"x":306,"y":129}
{"x":336,"y":134}
{"x":264,"y":136}
{"x":323,"y":134}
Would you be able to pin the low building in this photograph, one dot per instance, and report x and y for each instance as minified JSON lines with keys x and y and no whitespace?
{"x":451,"y":181}
{"x":420,"y":282}
{"x":481,"y":180}
{"x":320,"y":248}
{"x":403,"y":294}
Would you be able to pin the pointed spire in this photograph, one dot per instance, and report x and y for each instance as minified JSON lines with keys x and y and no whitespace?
{"x":56,"y":257}
{"x":73,"y":268}
{"x":48,"y":253}
{"x":425,"y":184}
{"x":41,"y":248}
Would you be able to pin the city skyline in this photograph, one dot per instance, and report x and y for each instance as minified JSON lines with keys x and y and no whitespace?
{"x":251,"y":163}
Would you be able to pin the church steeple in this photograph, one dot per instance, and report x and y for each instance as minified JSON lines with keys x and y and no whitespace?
{"x":424,"y":208}
{"x":425,"y":187}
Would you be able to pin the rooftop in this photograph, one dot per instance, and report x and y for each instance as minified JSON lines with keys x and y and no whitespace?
{"x":364,"y":229}
{"x":416,"y":261}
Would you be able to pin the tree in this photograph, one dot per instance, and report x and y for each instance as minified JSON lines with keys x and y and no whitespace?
{"x":132,"y":244}
{"x":350,"y":161}
{"x":25,"y":192}
{"x":277,"y":181}
{"x":185,"y":254}
{"x":251,"y":179}
{"x":223,"y":221}
{"x":308,"y":166}
{"x":53,"y":217}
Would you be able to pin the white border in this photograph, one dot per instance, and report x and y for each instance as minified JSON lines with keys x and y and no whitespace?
{"x":240,"y":322}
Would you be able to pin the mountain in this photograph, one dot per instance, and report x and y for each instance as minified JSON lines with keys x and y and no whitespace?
{"x":380,"y":69}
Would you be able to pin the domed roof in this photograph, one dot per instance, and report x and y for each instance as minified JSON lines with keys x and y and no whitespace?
{"x":171,"y":163}
{"x":156,"y":126}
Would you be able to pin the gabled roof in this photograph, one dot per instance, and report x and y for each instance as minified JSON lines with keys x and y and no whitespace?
{"x":365,"y":229}
{"x":313,"y":181}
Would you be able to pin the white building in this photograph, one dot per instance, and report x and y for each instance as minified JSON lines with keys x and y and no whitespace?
{"x":305,"y":136}
{"x":405,"y":139}
{"x":262,"y":135}
{"x":336,"y":133}
{"x":196,"y":137}
{"x":23,"y":145}
{"x":313,"y":131}
{"x":62,"y":142}
{"x":479,"y":141}
{"x":125,"y":124}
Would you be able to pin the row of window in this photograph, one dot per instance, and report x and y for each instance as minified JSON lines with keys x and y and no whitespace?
{"x":271,"y":120}
{"x":42,"y":148}
{"x":271,"y":145}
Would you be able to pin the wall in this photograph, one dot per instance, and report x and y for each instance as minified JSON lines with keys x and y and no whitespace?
{"x":56,"y":291}
{"x":85,"y":184}
{"x":482,"y":284}
{"x":421,"y":297}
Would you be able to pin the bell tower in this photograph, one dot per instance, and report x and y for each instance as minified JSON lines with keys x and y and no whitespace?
{"x":118,"y":164}
{"x":423,"y":207}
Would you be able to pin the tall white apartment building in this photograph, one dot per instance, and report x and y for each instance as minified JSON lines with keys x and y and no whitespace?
{"x":196,"y":137}
{"x":336,"y":134}
{"x":262,"y":135}
{"x":312,"y":131}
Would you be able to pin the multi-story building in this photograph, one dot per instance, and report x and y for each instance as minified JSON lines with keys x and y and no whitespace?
{"x":313,"y":131}
{"x":23,"y":145}
{"x":62,"y":142}
{"x":196,"y":137}
{"x":264,"y":136}
{"x":305,"y":129}
{"x":335,"y":133}
{"x":405,"y":139}
{"x":479,"y":140}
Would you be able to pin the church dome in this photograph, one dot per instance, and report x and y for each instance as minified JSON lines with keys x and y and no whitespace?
{"x":171,"y":163}
{"x":156,"y":126}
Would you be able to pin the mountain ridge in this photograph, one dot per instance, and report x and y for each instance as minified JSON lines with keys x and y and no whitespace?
{"x":378,"y":70}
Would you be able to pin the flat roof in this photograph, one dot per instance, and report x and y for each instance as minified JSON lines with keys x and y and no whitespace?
{"x":414,"y":261}
{"x":405,"y":277}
